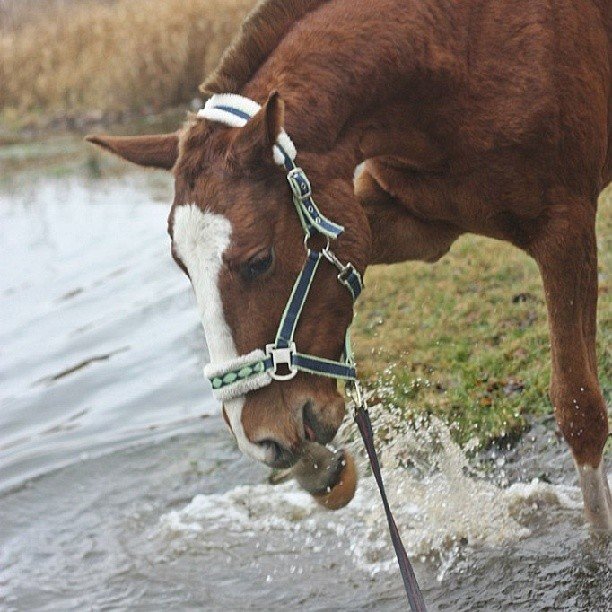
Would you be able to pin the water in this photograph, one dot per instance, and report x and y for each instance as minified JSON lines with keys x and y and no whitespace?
{"x":121,"y":489}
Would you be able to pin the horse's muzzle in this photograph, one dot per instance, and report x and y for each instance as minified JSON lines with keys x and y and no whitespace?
{"x":318,"y":470}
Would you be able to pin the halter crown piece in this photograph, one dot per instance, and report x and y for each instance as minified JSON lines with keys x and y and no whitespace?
{"x":281,"y":360}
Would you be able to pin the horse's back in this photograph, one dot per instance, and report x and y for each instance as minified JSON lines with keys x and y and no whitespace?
{"x":541,"y":73}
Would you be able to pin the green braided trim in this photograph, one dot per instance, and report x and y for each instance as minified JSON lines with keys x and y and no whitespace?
{"x":219,"y":382}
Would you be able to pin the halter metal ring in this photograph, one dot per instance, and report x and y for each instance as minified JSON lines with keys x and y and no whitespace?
{"x":308,"y":237}
{"x":346,"y":272}
{"x":282,"y":357}
{"x":331,"y":257}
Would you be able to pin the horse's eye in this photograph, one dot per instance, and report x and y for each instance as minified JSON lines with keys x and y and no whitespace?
{"x":257,"y":265}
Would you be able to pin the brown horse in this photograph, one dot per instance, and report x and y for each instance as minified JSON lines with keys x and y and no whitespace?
{"x":417,"y":121}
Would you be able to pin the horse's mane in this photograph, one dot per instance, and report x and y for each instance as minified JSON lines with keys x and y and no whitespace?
{"x":260,"y":34}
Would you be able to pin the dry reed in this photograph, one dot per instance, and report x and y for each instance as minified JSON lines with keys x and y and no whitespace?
{"x":127,"y":55}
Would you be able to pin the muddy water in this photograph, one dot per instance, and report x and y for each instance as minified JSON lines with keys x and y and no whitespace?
{"x":120,"y":488}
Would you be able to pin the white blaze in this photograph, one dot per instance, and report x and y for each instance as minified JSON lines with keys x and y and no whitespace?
{"x":200,"y":238}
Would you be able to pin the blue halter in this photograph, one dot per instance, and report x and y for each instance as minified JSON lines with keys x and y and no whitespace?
{"x":281,"y":359}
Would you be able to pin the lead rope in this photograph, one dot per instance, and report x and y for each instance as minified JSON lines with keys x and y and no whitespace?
{"x":361,"y":415}
{"x":362,"y":418}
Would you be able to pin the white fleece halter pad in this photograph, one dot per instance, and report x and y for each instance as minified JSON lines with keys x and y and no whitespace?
{"x":241,"y":386}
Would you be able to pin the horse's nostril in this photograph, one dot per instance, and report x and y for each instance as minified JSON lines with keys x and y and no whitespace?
{"x":314,"y":429}
{"x":278,"y":455}
{"x":311,"y":425}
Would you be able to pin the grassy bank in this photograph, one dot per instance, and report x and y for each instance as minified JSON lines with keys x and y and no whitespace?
{"x":466,"y":339}
{"x":110,"y":57}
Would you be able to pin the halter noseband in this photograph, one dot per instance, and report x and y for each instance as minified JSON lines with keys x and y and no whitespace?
{"x":281,"y":360}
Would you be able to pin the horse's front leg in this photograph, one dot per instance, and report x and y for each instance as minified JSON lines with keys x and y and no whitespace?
{"x":566,"y":253}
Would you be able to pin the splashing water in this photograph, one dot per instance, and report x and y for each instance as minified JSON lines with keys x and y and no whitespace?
{"x":443,"y":509}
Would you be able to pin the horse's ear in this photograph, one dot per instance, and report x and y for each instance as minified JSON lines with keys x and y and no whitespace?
{"x":275,"y":117}
{"x":256,"y":140}
{"x":160,"y":151}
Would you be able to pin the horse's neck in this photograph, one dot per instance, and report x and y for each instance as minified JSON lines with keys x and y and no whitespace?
{"x":319,"y":123}
{"x":336,"y":71}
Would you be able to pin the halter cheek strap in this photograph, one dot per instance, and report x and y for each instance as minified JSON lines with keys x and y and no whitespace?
{"x":281,"y":360}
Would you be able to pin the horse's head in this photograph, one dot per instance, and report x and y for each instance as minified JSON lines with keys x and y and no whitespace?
{"x":237,"y":235}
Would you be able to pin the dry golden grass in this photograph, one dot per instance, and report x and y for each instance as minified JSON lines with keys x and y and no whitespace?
{"x":127,"y":55}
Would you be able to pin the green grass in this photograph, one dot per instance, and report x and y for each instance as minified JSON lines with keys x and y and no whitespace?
{"x":466,"y":339}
